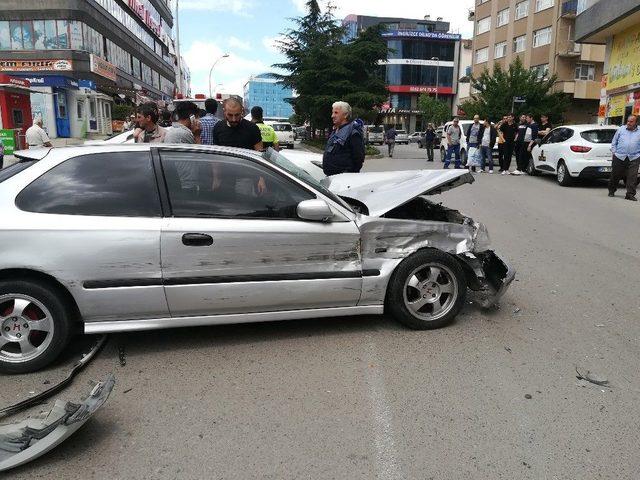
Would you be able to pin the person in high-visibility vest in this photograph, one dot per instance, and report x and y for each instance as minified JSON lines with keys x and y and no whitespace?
{"x":269,"y":137}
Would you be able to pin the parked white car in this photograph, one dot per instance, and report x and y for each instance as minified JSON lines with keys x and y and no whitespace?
{"x":284,"y":132}
{"x":416,"y":137}
{"x":402,"y":137}
{"x":464,"y":125}
{"x":374,"y":134}
{"x":574,"y":152}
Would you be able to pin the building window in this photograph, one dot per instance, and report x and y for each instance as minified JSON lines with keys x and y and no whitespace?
{"x":543,"y":4}
{"x":63,"y":33}
{"x":522,"y":9}
{"x":500,"y":50}
{"x":484,"y":25}
{"x":482,"y":55}
{"x":542,"y":37}
{"x":16,"y":35}
{"x":502,"y":18}
{"x":80,"y":109}
{"x":480,"y":2}
{"x":542,"y":71}
{"x":519,"y":44}
{"x":585,"y":71}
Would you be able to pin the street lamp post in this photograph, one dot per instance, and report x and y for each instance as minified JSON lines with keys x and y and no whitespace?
{"x":437,"y":59}
{"x":211,"y":71}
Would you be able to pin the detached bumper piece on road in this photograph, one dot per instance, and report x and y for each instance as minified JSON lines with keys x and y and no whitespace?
{"x":490,"y":276}
{"x":25,"y":441}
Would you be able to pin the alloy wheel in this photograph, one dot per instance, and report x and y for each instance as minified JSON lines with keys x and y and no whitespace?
{"x":430,"y":291}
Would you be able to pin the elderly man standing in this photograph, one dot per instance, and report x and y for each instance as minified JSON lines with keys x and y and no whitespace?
{"x":345,"y":148}
{"x":36,"y":136}
{"x":625,"y":147}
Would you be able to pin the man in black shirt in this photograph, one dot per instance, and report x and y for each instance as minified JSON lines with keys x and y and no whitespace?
{"x":508,"y":130}
{"x":545,"y":126}
{"x":234,"y":130}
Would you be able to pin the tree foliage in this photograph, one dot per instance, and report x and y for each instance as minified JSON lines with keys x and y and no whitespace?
{"x":434,"y":111}
{"x":322,"y":68}
{"x":495,"y":93}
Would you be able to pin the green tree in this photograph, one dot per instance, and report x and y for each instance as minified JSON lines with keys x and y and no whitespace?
{"x":495,"y":93}
{"x":434,"y":111}
{"x":322,"y":68}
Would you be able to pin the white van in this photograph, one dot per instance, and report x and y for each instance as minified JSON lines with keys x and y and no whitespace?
{"x":284,"y":132}
{"x":374,"y":134}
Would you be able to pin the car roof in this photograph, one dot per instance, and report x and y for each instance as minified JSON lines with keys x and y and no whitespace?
{"x":585,"y":126}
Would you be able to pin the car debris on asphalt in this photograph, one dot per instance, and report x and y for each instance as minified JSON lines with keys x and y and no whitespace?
{"x":592,"y":378}
{"x":25,"y":441}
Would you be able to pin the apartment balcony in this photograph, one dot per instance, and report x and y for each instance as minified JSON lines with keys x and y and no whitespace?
{"x":472,"y":15}
{"x":569,"y":9}
{"x":581,"y":89}
{"x":569,"y":49}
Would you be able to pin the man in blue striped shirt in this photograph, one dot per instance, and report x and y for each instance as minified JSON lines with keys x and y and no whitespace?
{"x":208,"y":121}
{"x":625,"y":147}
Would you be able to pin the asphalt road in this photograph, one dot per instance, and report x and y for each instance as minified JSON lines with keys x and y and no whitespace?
{"x":365,"y":398}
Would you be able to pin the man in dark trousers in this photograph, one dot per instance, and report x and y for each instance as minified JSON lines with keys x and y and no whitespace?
{"x":390,"y":139}
{"x":530,"y":137}
{"x":625,"y":147}
{"x":429,"y":140}
{"x":520,"y":145}
{"x":509,"y":130}
{"x":345,"y":148}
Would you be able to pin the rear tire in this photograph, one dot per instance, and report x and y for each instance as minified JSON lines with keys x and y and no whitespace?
{"x":562,"y":174}
{"x":36,"y":326}
{"x":427,"y":290}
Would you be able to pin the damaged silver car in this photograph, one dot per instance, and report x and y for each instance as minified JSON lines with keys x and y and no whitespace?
{"x":118,"y":238}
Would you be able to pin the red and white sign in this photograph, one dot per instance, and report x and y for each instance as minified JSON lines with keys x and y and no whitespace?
{"x":419,"y":89}
{"x":103,"y":68}
{"x":20,"y":82}
{"x":140,"y":10}
{"x":35,"y":65}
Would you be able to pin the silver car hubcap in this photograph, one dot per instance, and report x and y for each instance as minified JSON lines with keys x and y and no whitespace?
{"x":561,"y":172}
{"x":430,"y":291}
{"x":26,"y":328}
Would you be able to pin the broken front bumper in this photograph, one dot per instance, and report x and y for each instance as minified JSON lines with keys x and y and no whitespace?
{"x":25,"y":441}
{"x":487,"y":274}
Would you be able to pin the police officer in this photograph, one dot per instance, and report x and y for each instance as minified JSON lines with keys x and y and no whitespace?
{"x":269,"y":137}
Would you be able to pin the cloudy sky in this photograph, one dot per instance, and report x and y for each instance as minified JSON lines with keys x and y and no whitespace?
{"x":247,"y":29}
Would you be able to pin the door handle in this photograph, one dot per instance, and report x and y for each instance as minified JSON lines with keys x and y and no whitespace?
{"x":197,"y":240}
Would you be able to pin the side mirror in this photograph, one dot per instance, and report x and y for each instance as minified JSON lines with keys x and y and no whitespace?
{"x":316,"y":210}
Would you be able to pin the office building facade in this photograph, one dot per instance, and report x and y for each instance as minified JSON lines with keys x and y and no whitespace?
{"x":616,"y":27}
{"x":542,"y":34}
{"x":264,"y":91}
{"x":423,"y":59}
{"x":82,"y":55}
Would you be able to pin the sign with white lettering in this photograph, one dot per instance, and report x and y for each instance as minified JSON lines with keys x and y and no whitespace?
{"x":103,"y":68}
{"x":418,"y":34}
{"x":35,"y":65}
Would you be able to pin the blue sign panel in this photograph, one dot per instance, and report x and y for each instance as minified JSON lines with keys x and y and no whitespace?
{"x":418,"y":34}
{"x":52,"y":81}
{"x":89,"y":84}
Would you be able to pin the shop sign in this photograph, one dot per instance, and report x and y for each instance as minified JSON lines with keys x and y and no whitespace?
{"x":36,"y":65}
{"x":415,"y":61}
{"x":103,"y":68}
{"x":87,"y":84}
{"x":617,"y":105}
{"x":624,"y":63}
{"x":53,"y":81}
{"x":419,"y":89}
{"x":20,"y":82}
{"x":8,"y":139}
{"x":145,"y":14}
{"x":418,"y":34}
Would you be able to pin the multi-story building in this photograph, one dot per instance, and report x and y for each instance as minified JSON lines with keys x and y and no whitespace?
{"x":616,"y":25}
{"x":542,"y":34}
{"x":464,"y":80}
{"x":81,"y":55}
{"x":423,"y":58}
{"x":264,"y":90}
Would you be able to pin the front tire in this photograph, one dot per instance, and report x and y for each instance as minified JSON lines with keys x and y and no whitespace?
{"x":427,"y":290}
{"x":35,"y":326}
{"x":562,"y":174}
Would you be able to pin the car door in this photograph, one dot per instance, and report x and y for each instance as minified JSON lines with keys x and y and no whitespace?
{"x":97,"y":217}
{"x":540,"y":153}
{"x":227,"y":248}
{"x":560,"y":147}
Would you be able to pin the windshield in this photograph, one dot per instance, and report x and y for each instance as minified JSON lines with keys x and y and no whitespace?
{"x":282,"y":127}
{"x":375,"y":129}
{"x":599,"y":136}
{"x":280,"y":161}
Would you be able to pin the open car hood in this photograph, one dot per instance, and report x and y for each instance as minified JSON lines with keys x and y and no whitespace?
{"x":381,"y":192}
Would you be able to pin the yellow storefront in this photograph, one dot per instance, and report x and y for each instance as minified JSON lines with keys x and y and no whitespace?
{"x":622,"y":83}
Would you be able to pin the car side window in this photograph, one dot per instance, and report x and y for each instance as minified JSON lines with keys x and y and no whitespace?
{"x":549,"y":137}
{"x":214,"y":185}
{"x":120,"y":184}
{"x":564,"y":134}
